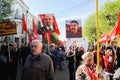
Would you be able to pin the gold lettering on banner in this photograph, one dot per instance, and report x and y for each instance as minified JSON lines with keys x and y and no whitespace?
{"x":8,"y":28}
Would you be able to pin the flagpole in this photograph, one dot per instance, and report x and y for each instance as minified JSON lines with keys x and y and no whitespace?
{"x":97,"y":32}
{"x":9,"y":57}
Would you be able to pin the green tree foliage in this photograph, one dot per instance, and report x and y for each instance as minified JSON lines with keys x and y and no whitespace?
{"x":5,"y":10}
{"x":89,"y":29}
{"x":108,"y":16}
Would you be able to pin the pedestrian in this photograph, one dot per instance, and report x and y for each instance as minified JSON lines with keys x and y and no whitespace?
{"x":71,"y":62}
{"x":109,"y":60}
{"x":38,"y":65}
{"x":86,"y":71}
{"x":13,"y":61}
{"x":79,"y":53}
{"x":54,"y":55}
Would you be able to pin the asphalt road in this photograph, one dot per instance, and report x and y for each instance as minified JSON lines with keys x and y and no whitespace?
{"x":59,"y":74}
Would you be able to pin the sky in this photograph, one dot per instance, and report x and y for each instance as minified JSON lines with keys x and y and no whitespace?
{"x":64,"y":10}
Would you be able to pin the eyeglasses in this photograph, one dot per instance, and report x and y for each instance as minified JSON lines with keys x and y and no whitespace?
{"x":33,"y":46}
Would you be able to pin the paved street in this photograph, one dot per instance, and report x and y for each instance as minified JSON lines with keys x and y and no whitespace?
{"x":59,"y":75}
{"x":64,"y":74}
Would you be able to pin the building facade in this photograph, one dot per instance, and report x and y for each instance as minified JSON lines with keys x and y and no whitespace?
{"x":19,"y":7}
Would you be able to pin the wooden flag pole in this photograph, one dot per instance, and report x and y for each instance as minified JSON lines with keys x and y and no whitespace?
{"x":97,"y":32}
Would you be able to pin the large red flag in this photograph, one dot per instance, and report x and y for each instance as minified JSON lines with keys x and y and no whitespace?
{"x":24,"y":27}
{"x":35,"y":34}
{"x":116,"y":30}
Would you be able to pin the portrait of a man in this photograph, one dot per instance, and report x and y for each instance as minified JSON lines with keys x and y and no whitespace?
{"x":73,"y":29}
{"x":49,"y":27}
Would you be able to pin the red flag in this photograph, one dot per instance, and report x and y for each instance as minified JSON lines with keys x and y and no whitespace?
{"x":104,"y":38}
{"x":35,"y":34}
{"x":24,"y":27}
{"x":29,"y":38}
{"x":116,"y":30}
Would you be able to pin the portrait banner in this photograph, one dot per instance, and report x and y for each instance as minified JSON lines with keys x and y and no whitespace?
{"x":49,"y":27}
{"x":73,"y":29}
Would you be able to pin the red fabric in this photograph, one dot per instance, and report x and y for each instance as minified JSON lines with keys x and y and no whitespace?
{"x":35,"y":34}
{"x":42,"y":16}
{"x":29,"y":37}
{"x":100,"y":58}
{"x":116,"y":30}
{"x":109,"y":67}
{"x":56,"y":26}
{"x":92,"y":74}
{"x":47,"y":34}
{"x":59,"y":42}
{"x":24,"y":27}
{"x":48,"y":37}
{"x":104,"y":38}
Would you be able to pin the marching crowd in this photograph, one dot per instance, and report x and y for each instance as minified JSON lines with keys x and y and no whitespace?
{"x":39,"y":61}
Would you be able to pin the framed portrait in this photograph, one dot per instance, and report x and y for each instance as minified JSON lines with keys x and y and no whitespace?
{"x":73,"y":29}
{"x":49,"y":23}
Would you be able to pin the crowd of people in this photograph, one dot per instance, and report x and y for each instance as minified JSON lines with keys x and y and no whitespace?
{"x":39,"y":61}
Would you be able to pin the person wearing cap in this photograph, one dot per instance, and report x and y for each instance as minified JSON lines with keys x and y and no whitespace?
{"x":54,"y":55}
{"x":86,"y":71}
{"x":38,"y":65}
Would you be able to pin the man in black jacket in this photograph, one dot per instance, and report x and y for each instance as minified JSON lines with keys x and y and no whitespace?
{"x":13,"y":61}
{"x":38,"y":66}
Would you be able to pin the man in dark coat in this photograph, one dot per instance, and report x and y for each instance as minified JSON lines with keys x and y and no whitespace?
{"x":38,"y":65}
{"x":13,"y":62}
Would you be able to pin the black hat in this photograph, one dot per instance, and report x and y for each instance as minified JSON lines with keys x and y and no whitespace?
{"x":110,"y":49}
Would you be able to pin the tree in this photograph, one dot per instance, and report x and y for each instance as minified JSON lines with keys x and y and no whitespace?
{"x":5,"y":10}
{"x":108,"y":16}
{"x":89,"y":29}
